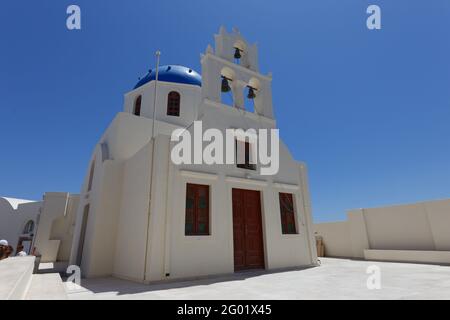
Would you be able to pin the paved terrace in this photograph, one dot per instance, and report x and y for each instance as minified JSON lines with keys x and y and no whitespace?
{"x":334,"y":279}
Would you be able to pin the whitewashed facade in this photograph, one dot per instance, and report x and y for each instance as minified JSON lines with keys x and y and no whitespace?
{"x":134,"y":217}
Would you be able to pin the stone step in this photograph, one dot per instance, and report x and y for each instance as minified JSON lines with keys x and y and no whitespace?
{"x":53,"y":267}
{"x":47,"y":286}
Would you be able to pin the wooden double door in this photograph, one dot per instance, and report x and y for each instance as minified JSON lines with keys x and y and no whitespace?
{"x":247,"y":230}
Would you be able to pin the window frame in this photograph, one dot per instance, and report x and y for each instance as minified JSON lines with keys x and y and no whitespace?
{"x":28,"y":227}
{"x":196,"y":214}
{"x":287,"y":217}
{"x":248,"y":148}
{"x":173,"y":104}
{"x":136,"y":107}
{"x":91,"y":176}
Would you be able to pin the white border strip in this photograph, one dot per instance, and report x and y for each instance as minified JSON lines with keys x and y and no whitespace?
{"x":198,"y":174}
{"x":254,"y":182}
{"x":286,"y":186}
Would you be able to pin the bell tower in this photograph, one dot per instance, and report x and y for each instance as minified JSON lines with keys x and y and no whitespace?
{"x":232,"y":66}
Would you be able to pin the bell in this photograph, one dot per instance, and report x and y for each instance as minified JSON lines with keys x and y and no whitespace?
{"x":251,"y":93}
{"x":237,"y":53}
{"x":225,"y":85}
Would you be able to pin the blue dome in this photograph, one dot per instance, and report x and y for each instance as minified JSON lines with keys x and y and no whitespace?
{"x":172,"y":73}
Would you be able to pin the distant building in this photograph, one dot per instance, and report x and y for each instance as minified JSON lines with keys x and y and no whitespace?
{"x":18,"y":220}
{"x":44,"y":228}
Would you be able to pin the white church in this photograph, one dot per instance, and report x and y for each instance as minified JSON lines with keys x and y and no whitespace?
{"x":143,"y":218}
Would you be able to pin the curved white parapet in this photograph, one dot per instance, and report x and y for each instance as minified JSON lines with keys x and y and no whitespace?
{"x":14,"y":203}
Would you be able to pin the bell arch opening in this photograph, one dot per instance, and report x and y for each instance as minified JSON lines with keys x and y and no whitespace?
{"x":227,"y":77}
{"x":251,"y":91}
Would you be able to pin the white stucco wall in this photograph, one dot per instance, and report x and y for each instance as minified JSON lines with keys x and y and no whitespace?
{"x":55,"y":230}
{"x":190,"y":99}
{"x":438,"y":214}
{"x":133,"y":217}
{"x":62,"y":229}
{"x":169,"y":251}
{"x":119,"y":233}
{"x":336,"y":236}
{"x":419,"y":227}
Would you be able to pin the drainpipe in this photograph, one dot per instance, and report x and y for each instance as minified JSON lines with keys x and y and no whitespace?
{"x":167,"y":231}
{"x":158,"y":53}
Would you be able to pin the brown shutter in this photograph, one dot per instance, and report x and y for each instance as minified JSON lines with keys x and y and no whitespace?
{"x":137,"y":106}
{"x":197,"y":209}
{"x":287,"y":213}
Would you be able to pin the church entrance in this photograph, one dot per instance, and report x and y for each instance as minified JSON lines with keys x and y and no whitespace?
{"x":247,"y":230}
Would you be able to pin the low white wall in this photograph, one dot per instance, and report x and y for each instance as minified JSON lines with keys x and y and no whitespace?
{"x":399,"y":228}
{"x":420,"y":227}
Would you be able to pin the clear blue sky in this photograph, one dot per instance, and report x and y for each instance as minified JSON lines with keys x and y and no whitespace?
{"x":369,"y":111}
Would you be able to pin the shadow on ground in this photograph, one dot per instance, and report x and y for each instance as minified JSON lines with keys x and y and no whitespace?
{"x":123,"y":287}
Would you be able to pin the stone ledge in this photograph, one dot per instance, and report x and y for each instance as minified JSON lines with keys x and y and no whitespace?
{"x":15,"y":277}
{"x":414,"y":256}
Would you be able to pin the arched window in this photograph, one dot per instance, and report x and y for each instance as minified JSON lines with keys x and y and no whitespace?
{"x":137,"y":106}
{"x":29,"y":227}
{"x":173,"y":104}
